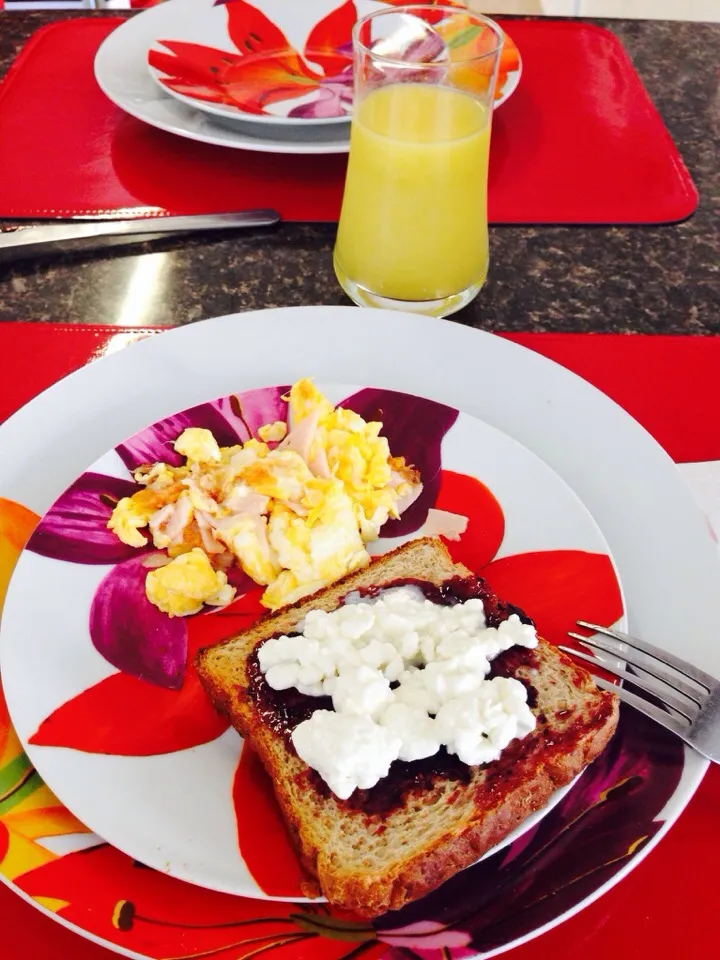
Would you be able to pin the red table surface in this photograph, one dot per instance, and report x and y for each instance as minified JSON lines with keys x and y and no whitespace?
{"x":664,"y":908}
{"x":578,"y":142}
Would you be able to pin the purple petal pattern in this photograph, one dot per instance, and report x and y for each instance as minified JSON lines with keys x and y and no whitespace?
{"x":237,"y":578}
{"x":332,"y":99}
{"x":415,"y":428}
{"x":608,"y":817}
{"x":132,"y":634}
{"x":75,"y":527}
{"x":231,"y":420}
{"x":328,"y":102}
{"x":240,"y":580}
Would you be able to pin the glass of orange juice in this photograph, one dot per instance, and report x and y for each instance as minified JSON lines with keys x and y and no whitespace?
{"x":413,"y":231}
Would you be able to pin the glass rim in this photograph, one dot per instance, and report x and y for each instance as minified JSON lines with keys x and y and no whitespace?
{"x":409,"y":8}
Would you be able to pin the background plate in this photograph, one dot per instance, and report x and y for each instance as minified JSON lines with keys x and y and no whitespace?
{"x":209,"y":28}
{"x":122,"y":73}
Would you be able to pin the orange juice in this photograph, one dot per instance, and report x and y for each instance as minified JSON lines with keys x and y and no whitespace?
{"x":414,"y":216}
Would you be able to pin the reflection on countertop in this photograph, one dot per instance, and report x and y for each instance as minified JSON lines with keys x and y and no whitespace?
{"x":633,"y":279}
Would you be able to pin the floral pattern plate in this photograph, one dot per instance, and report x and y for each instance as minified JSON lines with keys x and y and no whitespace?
{"x":121,"y":71}
{"x":271,"y":62}
{"x":605,"y":825}
{"x":118,"y":724}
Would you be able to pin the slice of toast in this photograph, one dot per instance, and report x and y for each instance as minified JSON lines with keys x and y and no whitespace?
{"x":404,"y":837}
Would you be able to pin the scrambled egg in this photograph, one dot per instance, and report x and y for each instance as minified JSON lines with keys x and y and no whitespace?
{"x":294,"y":518}
{"x":273,"y":432}
{"x":182,"y":586}
{"x":198,"y":445}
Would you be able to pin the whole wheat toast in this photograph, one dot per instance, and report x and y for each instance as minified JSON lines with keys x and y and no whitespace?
{"x":390,"y":845}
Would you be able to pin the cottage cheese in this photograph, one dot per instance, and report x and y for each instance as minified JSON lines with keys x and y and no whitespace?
{"x":406,"y":677}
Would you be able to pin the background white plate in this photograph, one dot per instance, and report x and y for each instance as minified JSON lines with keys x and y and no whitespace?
{"x":174,"y":812}
{"x":122,"y":72}
{"x":205,"y":23}
{"x":668,"y":562}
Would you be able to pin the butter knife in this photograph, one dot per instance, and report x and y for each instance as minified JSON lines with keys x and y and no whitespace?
{"x":20,"y":243}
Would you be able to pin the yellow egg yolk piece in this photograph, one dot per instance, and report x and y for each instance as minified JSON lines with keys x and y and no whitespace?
{"x":305,"y":398}
{"x":181,"y":587}
{"x":273,"y":432}
{"x":198,"y":445}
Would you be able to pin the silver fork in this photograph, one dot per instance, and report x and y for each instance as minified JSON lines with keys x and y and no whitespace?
{"x":690,"y":697}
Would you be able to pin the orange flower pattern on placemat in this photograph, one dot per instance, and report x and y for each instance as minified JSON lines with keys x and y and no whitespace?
{"x":29,"y":812}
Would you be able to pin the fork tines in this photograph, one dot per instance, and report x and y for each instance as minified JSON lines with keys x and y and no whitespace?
{"x":676,"y":685}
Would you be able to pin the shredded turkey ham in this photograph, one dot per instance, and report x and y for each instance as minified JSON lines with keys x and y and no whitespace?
{"x":246,"y":536}
{"x":319,"y":464}
{"x":244,"y":500}
{"x":207,"y":534}
{"x":168,"y":524}
{"x":442,"y":523}
{"x":406,"y":500}
{"x":200,"y":498}
{"x":300,"y":440}
{"x":301,"y":436}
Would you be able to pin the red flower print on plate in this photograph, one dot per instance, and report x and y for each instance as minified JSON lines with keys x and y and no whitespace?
{"x":154,"y":915}
{"x":266,"y":68}
{"x":153,"y":653}
{"x":550,"y":585}
{"x":595,"y":831}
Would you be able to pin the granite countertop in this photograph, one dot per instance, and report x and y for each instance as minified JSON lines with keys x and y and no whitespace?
{"x":632,"y":279}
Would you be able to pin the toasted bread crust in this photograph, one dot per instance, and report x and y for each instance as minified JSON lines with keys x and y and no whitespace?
{"x":374,"y":876}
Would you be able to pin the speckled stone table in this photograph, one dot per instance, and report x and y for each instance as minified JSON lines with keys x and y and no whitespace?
{"x":631,"y":279}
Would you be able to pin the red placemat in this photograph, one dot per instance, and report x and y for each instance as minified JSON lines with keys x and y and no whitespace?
{"x":662,"y":909}
{"x":579,"y":142}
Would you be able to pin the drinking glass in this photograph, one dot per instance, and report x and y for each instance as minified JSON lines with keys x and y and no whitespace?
{"x":413,"y":231}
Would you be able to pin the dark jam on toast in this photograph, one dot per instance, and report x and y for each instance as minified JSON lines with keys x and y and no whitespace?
{"x":453,"y":591}
{"x":283,"y":710}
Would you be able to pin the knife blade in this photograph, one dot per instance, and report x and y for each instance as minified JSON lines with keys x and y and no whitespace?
{"x":22,"y":243}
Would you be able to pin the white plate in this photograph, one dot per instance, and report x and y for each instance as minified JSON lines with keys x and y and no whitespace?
{"x":174,"y":811}
{"x":208,"y":27}
{"x":121,"y":71}
{"x":206,"y":23}
{"x":667,"y":560}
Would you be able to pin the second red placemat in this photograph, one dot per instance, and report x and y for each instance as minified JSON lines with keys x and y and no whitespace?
{"x":579,"y":142}
{"x":639,"y":917}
